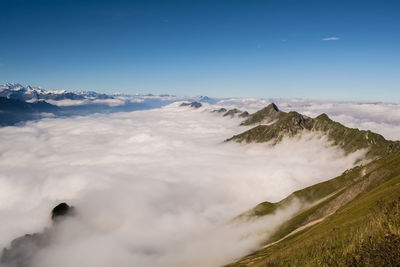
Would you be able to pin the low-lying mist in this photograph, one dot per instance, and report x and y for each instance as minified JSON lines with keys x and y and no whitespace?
{"x":151,"y":188}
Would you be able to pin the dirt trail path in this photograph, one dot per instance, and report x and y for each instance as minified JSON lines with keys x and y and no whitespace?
{"x":298,"y":230}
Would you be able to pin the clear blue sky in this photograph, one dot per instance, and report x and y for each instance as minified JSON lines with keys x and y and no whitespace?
{"x":217,"y":48}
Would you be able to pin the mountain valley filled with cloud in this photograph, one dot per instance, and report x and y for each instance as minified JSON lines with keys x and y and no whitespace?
{"x":160,"y":187}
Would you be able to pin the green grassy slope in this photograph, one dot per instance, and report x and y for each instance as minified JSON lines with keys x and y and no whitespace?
{"x":360,"y":226}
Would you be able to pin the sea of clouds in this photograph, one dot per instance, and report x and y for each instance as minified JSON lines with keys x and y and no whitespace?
{"x":160,"y":187}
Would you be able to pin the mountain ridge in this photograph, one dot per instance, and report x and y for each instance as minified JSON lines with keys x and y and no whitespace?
{"x":293,"y":123}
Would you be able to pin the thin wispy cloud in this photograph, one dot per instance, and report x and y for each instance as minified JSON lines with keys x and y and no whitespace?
{"x":331,"y":39}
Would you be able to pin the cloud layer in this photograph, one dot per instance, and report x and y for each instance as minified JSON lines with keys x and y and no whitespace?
{"x":152,"y":188}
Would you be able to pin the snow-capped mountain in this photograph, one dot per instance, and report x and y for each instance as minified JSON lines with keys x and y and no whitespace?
{"x":19,"y":103}
{"x":31,"y":94}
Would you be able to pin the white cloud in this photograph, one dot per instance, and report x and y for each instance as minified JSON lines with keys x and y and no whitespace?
{"x":117,"y":100}
{"x":331,"y":39}
{"x":152,"y":188}
{"x":112,"y":102}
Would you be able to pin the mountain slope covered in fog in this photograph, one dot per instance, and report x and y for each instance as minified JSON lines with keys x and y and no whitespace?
{"x":19,"y":103}
{"x":355,"y":217}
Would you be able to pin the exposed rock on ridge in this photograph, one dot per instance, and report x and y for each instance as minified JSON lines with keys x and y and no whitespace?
{"x":192,"y":104}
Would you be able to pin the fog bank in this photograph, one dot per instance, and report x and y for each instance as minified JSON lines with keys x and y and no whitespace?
{"x":152,"y":188}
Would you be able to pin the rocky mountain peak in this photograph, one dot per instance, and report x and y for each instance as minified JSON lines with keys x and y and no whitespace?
{"x":272,"y":107}
{"x":265,"y":115}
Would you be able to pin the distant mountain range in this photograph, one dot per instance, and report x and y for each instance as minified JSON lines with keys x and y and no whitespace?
{"x":33,"y":93}
{"x":29,"y":93}
{"x":23,"y":103}
{"x":20,"y":103}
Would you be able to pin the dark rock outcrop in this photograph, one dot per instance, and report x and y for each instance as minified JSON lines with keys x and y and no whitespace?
{"x":193,"y":104}
{"x":221,"y":110}
{"x":24,"y":248}
{"x":232,"y":112}
{"x":60,"y":211}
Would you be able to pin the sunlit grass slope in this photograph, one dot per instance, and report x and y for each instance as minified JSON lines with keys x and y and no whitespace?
{"x":358,"y":222}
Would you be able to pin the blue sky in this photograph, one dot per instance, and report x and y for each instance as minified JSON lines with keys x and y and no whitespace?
{"x":217,"y":48}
